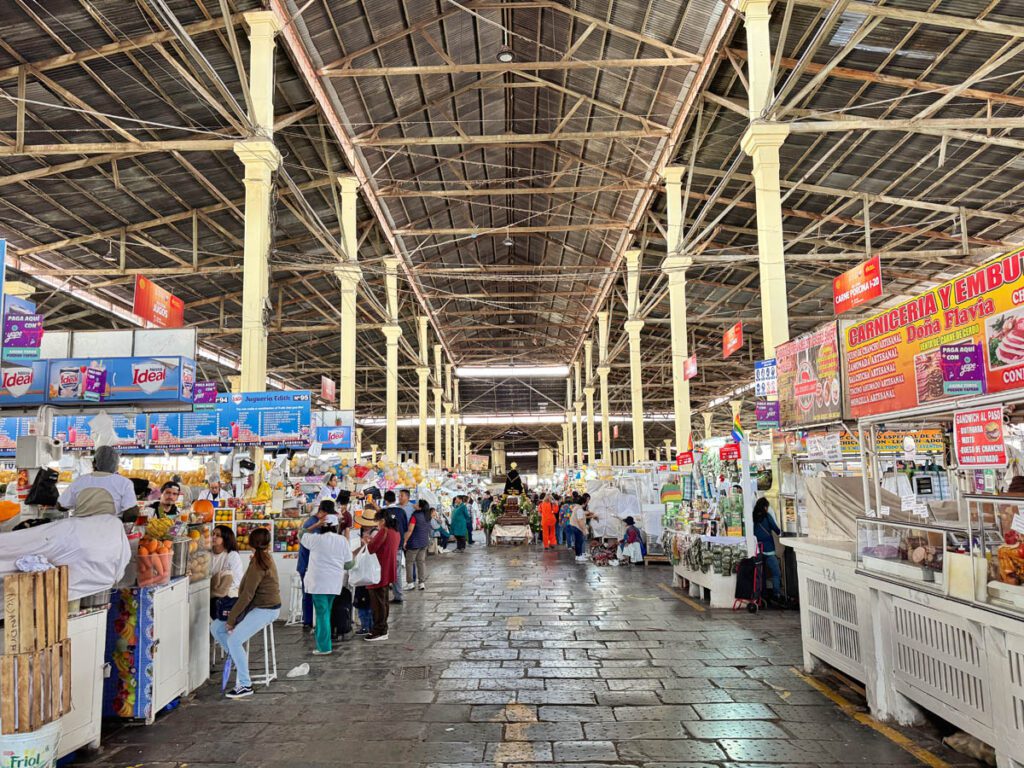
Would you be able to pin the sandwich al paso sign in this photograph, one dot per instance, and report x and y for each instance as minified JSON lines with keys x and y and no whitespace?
{"x":978,"y":438}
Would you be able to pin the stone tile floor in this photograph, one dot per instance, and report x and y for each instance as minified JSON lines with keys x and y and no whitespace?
{"x":514,"y":657}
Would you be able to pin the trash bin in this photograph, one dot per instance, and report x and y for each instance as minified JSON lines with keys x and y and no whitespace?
{"x":35,"y":748}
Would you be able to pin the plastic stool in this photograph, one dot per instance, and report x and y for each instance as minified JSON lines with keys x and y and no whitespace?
{"x":295,"y":602}
{"x":269,"y":672}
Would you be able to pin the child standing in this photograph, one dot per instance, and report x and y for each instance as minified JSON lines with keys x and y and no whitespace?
{"x":361,"y":597}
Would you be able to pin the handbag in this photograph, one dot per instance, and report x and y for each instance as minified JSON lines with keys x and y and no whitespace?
{"x":43,"y":492}
{"x":222,"y":608}
{"x":366,"y":571}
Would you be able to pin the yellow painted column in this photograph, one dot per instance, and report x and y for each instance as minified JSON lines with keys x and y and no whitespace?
{"x":438,"y":418}
{"x":449,"y":439}
{"x":558,"y":453}
{"x":359,"y":443}
{"x":762,"y":141}
{"x":349,"y":276}
{"x":603,"y":369}
{"x":456,"y":424}
{"x":570,"y":449}
{"x":578,"y":404}
{"x":633,"y":327}
{"x":708,"y":418}
{"x":674,"y":268}
{"x":463,"y":448}
{"x":373,"y":453}
{"x":423,"y":371}
{"x":588,"y":394}
{"x":392,"y":333}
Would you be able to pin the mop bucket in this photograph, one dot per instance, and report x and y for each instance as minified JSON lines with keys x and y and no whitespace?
{"x":35,"y":749}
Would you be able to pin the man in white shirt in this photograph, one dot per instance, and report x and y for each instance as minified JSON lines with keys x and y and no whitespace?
{"x":213,"y":493}
{"x":102,"y":491}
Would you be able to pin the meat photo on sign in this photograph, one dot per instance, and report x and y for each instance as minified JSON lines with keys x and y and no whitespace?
{"x":1004,"y":336}
{"x":928,"y":376}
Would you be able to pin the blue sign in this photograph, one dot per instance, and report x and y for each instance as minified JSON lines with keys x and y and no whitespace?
{"x":75,"y":432}
{"x":16,"y":305}
{"x":11,"y":428}
{"x":184,"y":430}
{"x":336,"y":438}
{"x":265,"y":418}
{"x":129,"y":379}
{"x":766,"y":378}
{"x":23,"y":384}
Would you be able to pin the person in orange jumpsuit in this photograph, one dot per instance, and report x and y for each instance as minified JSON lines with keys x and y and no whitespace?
{"x":548,"y":515}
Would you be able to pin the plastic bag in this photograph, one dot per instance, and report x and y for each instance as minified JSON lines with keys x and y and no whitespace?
{"x":366,"y":571}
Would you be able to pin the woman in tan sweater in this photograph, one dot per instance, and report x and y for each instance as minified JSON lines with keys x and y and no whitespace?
{"x":259,"y":603}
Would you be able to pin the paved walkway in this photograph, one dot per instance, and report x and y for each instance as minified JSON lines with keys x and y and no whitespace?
{"x":515,"y":656}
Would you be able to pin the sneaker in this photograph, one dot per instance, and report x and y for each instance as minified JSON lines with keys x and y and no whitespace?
{"x":581,"y":559}
{"x":240,"y":692}
{"x":317,"y":652}
{"x":362,"y":631}
{"x":375,"y":638}
{"x":410,"y":585}
{"x":397,"y":602}
{"x":422,"y":586}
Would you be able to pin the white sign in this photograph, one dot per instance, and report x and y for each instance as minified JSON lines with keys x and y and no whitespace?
{"x":907,"y":503}
{"x":921,"y":510}
{"x":883,"y":511}
{"x":1018,"y":523}
{"x":825,"y":447}
{"x":766,"y":379}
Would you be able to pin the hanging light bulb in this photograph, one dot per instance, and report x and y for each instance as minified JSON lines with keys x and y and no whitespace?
{"x":508,"y":242}
{"x":511,"y":320}
{"x":505,"y":55}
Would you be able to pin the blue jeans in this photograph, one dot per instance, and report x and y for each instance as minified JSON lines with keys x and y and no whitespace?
{"x":771,"y":562}
{"x":366,"y":619}
{"x":307,"y":604}
{"x":577,"y":538}
{"x":234,"y":642}
{"x":560,"y":533}
{"x":396,"y":587}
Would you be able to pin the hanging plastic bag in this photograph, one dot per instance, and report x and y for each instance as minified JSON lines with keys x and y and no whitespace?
{"x":366,"y":571}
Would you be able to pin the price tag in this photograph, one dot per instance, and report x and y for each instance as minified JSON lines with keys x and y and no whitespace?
{"x":907,"y":503}
{"x":1018,"y":523}
{"x":883,"y":511}
{"x":921,"y":510}
{"x":872,"y":513}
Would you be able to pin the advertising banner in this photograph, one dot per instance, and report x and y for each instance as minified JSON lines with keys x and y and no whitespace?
{"x":857,"y":286}
{"x":478,"y":462}
{"x":160,"y":307}
{"x":894,"y":359}
{"x":204,"y":396}
{"x":729,"y":452}
{"x":75,"y":432}
{"x":95,"y":383}
{"x":766,"y":380}
{"x":328,"y":389}
{"x":336,"y":438}
{"x":732,"y":339}
{"x":684,"y":459}
{"x":978,"y":438}
{"x":767,"y":414}
{"x":23,"y":335}
{"x":690,"y":371}
{"x":13,"y":427}
{"x":808,"y":379}
{"x":129,"y":379}
{"x":277,"y":418}
{"x":23,"y":384}
{"x":824,"y":447}
{"x":184,"y":430}
{"x":963,"y":369}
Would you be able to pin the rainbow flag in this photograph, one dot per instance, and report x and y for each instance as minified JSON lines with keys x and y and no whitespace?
{"x":737,"y":429}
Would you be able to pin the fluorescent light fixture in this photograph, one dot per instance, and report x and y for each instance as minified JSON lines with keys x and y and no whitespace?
{"x":513,"y":372}
{"x":510,"y":418}
{"x":519,"y":454}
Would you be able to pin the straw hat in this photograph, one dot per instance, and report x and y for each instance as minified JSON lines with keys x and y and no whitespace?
{"x":365,"y":519}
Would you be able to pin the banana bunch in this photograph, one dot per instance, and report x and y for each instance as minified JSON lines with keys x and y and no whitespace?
{"x":159,"y":527}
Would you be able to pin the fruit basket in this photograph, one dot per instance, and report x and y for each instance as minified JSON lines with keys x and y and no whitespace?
{"x":243,"y":530}
{"x":153,"y":561}
{"x":287,"y":533}
{"x":199,"y":552}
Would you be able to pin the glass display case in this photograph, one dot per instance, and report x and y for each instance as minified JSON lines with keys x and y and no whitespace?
{"x":997,"y":527}
{"x":921,"y":555}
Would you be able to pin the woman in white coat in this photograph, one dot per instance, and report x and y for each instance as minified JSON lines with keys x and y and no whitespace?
{"x":329,"y":553}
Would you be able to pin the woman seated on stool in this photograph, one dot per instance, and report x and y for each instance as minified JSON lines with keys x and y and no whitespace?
{"x":258,"y":604}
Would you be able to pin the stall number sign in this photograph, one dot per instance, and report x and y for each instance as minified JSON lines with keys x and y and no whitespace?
{"x":978,"y":438}
{"x":766,"y":380}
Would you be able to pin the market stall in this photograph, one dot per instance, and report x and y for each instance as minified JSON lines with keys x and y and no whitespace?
{"x":918,"y":589}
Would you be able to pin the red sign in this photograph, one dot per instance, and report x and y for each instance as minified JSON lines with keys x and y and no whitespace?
{"x":857,"y":286}
{"x":156,"y":305}
{"x":729,"y":452}
{"x":615,"y":432}
{"x":684,"y":459}
{"x":978,"y":438}
{"x":690,"y":370}
{"x":328,"y":390}
{"x":732,"y":339}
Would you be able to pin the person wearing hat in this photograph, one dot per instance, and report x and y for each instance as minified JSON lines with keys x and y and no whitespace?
{"x":384,"y":544}
{"x":329,"y":553}
{"x":326,"y":507}
{"x":460,"y":522}
{"x":361,"y":596}
{"x":329,"y":490}
{"x":632,"y":548}
{"x":513,"y":482}
{"x":102,"y":491}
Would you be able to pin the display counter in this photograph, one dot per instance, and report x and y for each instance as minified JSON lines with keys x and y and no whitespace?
{"x":198,"y":633}
{"x":909,"y":640}
{"x":81,"y":726}
{"x":706,"y":566}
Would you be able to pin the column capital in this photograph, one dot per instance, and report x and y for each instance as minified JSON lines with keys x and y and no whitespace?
{"x":263,"y":23}
{"x":763,"y":135}
{"x":676,"y":262}
{"x":751,"y":7}
{"x":391,"y":263}
{"x":634,"y":326}
{"x":392,"y":332}
{"x":448,"y":407}
{"x":674,"y":174}
{"x":423,"y":372}
{"x":348,"y":183}
{"x":632,"y":256}
{"x":438,"y":391}
{"x":259,"y":156}
{"x":589,"y":391}
{"x":349,"y":272}
{"x":603,"y":370}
